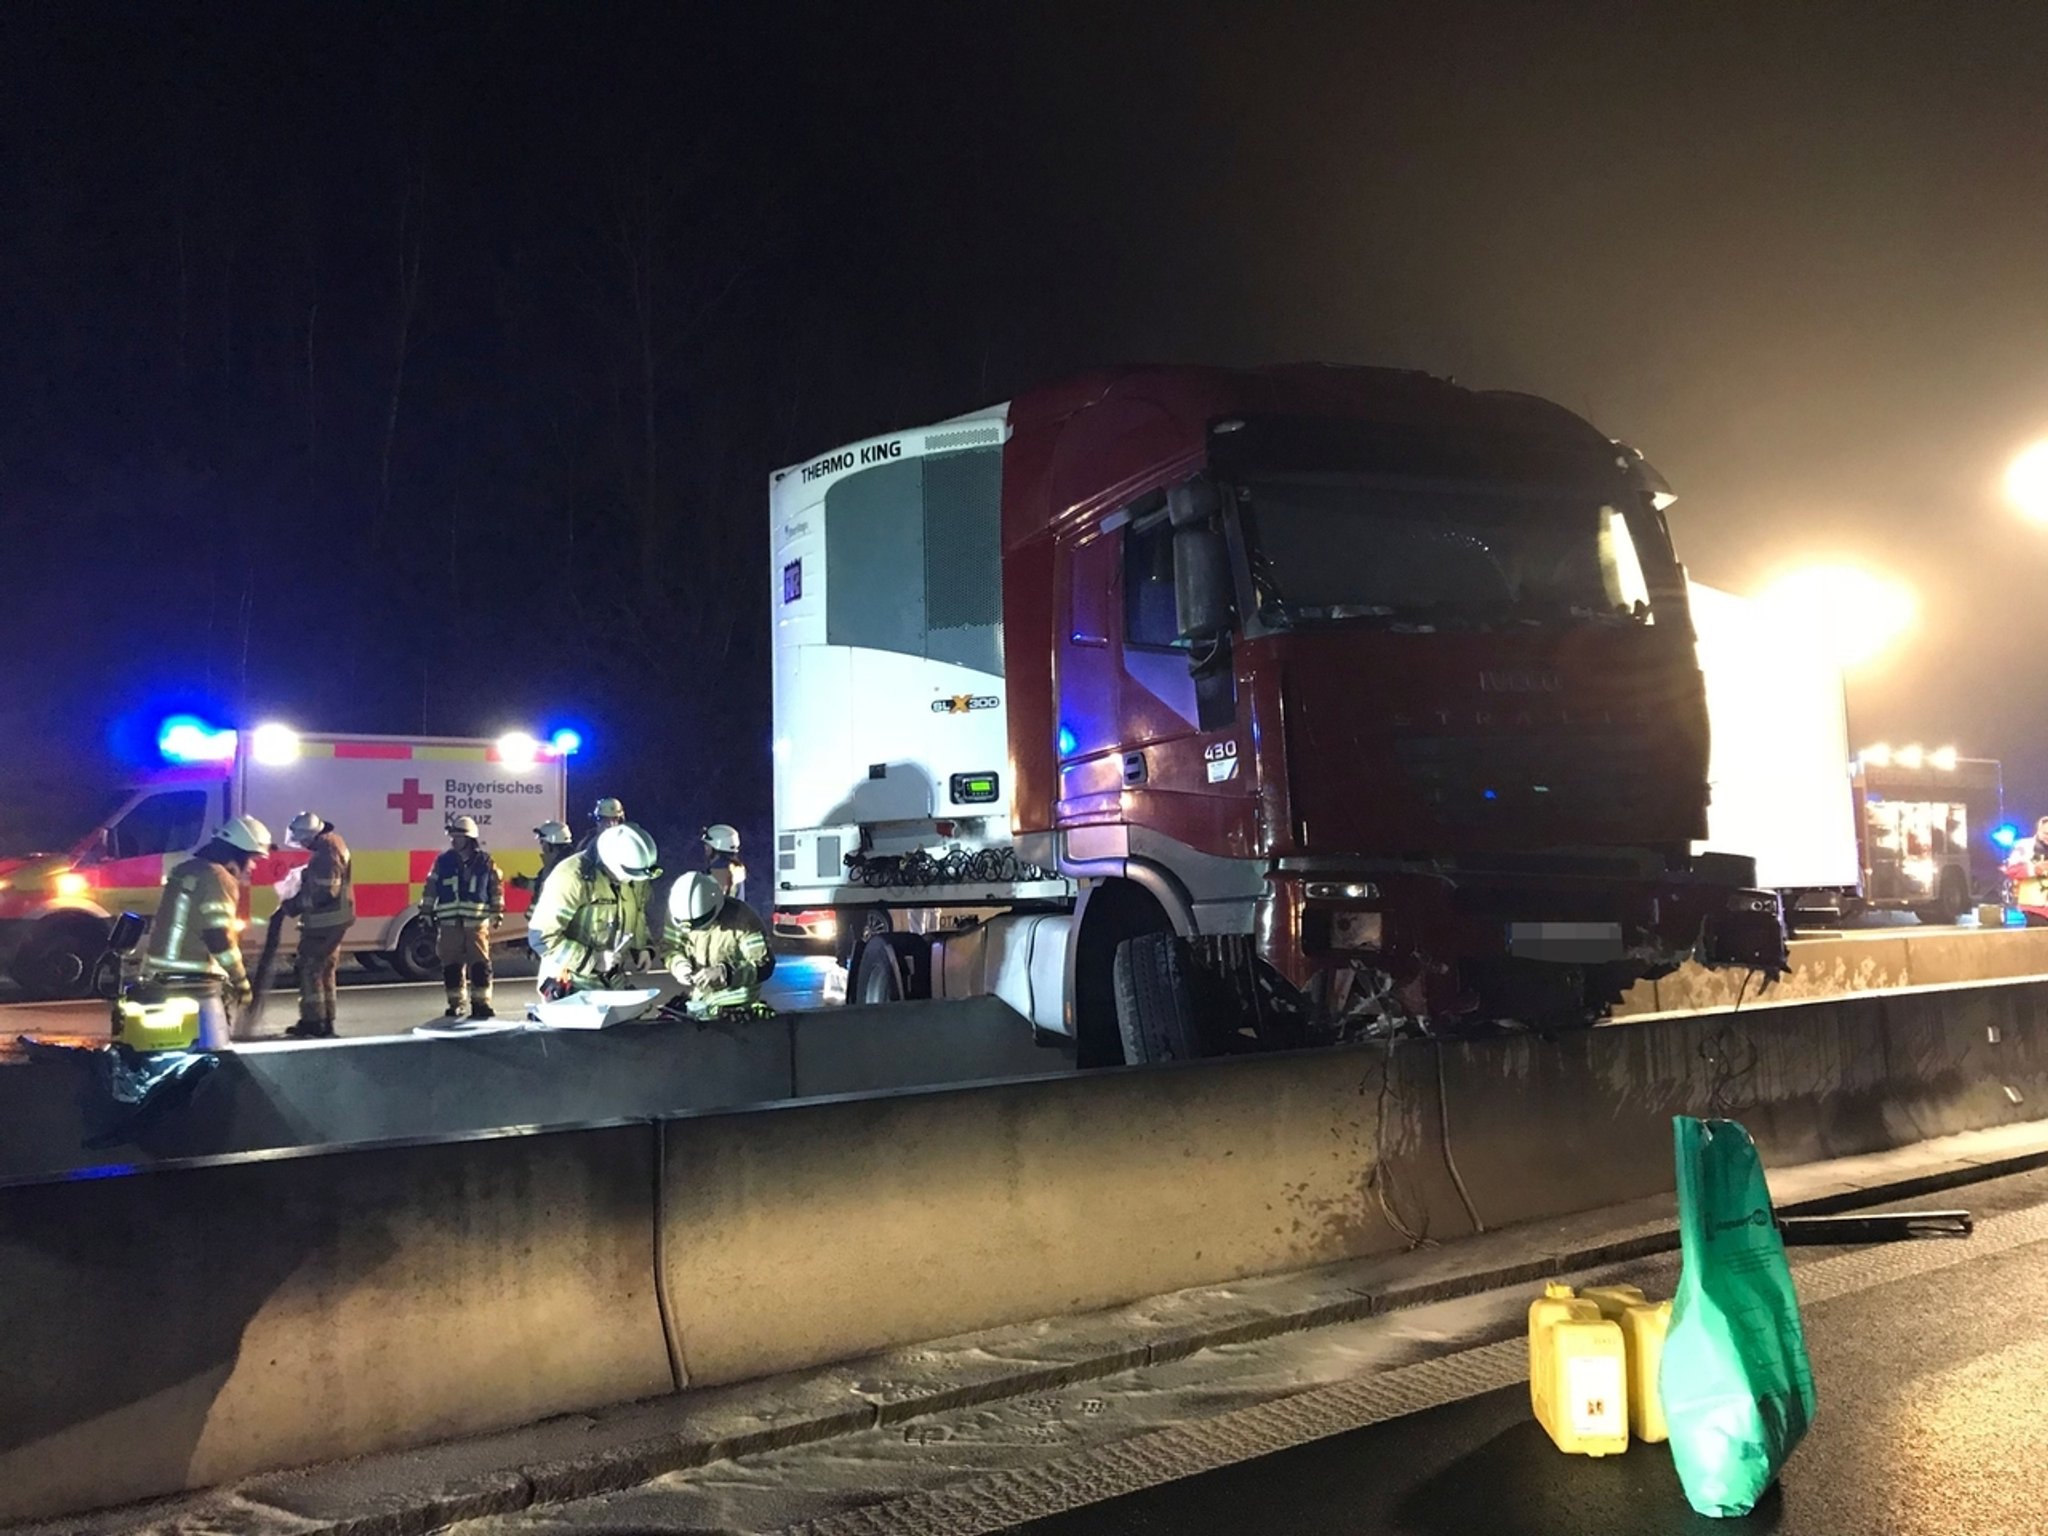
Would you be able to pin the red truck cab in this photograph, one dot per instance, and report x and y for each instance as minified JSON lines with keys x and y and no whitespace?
{"x":1353,"y":699}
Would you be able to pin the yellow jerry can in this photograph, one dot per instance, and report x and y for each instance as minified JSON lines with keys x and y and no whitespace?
{"x":146,"y":1019}
{"x":1643,"y":1326}
{"x":1578,"y":1374}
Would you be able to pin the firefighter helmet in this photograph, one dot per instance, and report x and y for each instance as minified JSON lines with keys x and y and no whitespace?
{"x":695,"y":899}
{"x":610,"y":808}
{"x":462,"y":826}
{"x":304,"y":827}
{"x":553,"y":833}
{"x":720,"y":838}
{"x":247,"y":834}
{"x":627,"y":853}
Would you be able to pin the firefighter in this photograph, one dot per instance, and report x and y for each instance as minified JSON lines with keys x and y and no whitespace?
{"x":716,"y":948}
{"x":464,"y":897}
{"x":722,"y":860}
{"x":608,"y":812}
{"x":192,"y":948}
{"x":592,"y":913}
{"x":554,"y":840}
{"x":324,"y":908}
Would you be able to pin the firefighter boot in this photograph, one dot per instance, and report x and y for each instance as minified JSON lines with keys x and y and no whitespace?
{"x":480,"y":989}
{"x":452,"y":980}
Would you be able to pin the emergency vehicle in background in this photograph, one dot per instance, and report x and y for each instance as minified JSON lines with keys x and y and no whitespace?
{"x":389,"y":796}
{"x":1194,"y":710}
{"x":1834,"y":832}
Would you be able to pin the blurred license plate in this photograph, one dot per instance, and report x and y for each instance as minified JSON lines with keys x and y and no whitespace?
{"x":1356,"y":930}
{"x":1581,"y":942}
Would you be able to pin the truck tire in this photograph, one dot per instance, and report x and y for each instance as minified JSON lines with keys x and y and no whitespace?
{"x":58,"y":961}
{"x":892,"y":968}
{"x":856,"y":926}
{"x":1161,"y":1007}
{"x":417,"y":957}
{"x":1951,"y":899}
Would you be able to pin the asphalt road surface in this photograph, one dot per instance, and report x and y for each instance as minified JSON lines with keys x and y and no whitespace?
{"x":1933,"y":1421}
{"x":1930,"y":1360}
{"x":373,"y":1003}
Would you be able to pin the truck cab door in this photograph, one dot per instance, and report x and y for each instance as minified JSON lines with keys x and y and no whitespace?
{"x":1143,"y":740}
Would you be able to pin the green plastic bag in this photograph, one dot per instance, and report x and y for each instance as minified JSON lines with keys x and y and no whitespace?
{"x":1735,"y":1382}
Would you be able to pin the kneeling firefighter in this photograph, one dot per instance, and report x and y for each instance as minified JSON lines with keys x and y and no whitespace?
{"x":192,"y":978}
{"x":716,"y":948}
{"x":592,"y":912}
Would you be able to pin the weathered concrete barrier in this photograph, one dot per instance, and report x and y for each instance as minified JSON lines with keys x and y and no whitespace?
{"x":405,"y":1087}
{"x":1843,"y":964}
{"x":175,"y":1328}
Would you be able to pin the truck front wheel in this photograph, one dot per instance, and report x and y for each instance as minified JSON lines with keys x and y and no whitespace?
{"x":1165,"y":1010}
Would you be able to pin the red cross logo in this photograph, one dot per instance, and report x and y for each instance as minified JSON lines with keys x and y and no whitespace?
{"x":410,"y":801}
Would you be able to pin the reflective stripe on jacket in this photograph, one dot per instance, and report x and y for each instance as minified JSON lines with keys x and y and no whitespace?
{"x":199,"y":895}
{"x":734,"y":939}
{"x":327,"y":890}
{"x":582,"y":916}
{"x":463,"y":890}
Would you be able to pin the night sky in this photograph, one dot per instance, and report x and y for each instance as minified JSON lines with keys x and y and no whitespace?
{"x":390,"y":367}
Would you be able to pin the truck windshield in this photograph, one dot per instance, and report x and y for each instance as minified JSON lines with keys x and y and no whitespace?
{"x":1422,"y":554}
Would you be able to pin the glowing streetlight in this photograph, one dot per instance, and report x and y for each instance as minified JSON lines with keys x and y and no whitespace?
{"x":2026,"y":483}
{"x":1858,"y":613}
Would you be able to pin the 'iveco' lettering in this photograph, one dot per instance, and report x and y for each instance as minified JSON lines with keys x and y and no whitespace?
{"x":1519,"y":682}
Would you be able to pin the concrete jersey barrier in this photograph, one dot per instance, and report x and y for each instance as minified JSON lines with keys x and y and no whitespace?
{"x":175,"y":1327}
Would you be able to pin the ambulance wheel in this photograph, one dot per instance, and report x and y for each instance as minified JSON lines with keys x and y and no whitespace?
{"x":418,"y":956}
{"x":57,"y":961}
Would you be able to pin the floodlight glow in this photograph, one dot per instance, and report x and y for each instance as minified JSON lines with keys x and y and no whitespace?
{"x":1878,"y":755}
{"x":1910,"y":757}
{"x":518,"y":750}
{"x":1943,"y":758}
{"x":2026,"y":483}
{"x":1859,"y":613}
{"x":274,"y":744}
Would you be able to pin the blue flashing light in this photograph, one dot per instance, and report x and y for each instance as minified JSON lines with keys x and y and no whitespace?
{"x":189,"y":739}
{"x":1491,"y":794}
{"x":1069,"y":742}
{"x":566,"y":743}
{"x":2005,"y":834}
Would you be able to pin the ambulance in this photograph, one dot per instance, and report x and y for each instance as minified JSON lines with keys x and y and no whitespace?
{"x":390,"y":798}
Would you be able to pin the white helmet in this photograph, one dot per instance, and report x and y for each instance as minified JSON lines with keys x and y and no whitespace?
{"x":462,"y":826}
{"x":553,"y":832}
{"x":627,"y":853}
{"x":304,"y":827}
{"x":246,"y":833}
{"x":720,"y":838}
{"x":695,"y":899}
{"x":610,"y":808}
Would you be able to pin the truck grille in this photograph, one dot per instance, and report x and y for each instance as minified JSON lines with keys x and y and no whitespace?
{"x":1588,"y":780}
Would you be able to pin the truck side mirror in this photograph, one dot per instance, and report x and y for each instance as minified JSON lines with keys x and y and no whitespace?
{"x":1203,"y":603}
